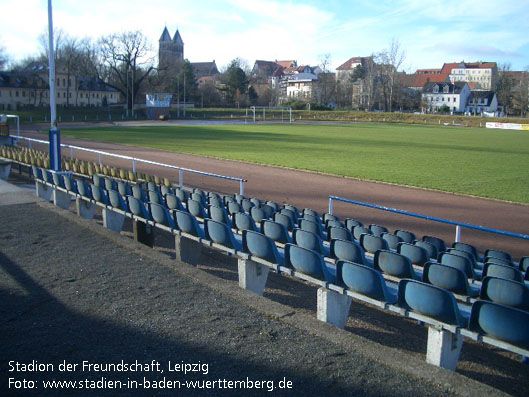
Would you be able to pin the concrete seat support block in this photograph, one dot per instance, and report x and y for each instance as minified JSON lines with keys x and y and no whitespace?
{"x":187,"y":250}
{"x":333,"y":308}
{"x":113,"y":220}
{"x":5,"y":169}
{"x":85,"y":209}
{"x":252,"y":276}
{"x":43,"y":191}
{"x":143,"y":233}
{"x":443,"y":348}
{"x":61,"y":199}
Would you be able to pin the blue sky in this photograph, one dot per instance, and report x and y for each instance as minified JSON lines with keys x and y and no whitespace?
{"x":430,"y":32}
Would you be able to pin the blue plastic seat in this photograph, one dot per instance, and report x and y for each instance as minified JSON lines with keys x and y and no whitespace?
{"x":359,"y":230}
{"x":465,"y":254}
{"x":284,"y":220}
{"x":124,"y":189}
{"x":372,"y":243}
{"x":457,"y":261}
{"x":394,"y":264}
{"x":138,"y":208}
{"x":84,"y":189}
{"x":407,"y":237}
{"x":234,"y":207}
{"x":350,"y":223}
{"x":37,"y":172}
{"x":58,"y":179}
{"x":173,"y":202}
{"x":181,"y":194}
{"x":196,"y":208}
{"x":275,"y":230}
{"x":247,"y":205}
{"x":378,"y":230}
{"x":330,"y":217}
{"x":160,"y":214}
{"x":166,"y":189}
{"x":310,"y":226}
{"x":138,"y":193}
{"x":417,"y":255}
{"x":431,"y":249}
{"x":153,"y":187}
{"x":200,"y":197}
{"x":308,"y":262}
{"x":98,"y":180}
{"x":220,"y":215}
{"x":333,"y":223}
{"x":466,"y":247}
{"x":261,"y":246}
{"x":430,"y":301}
{"x":274,"y":205}
{"x":110,"y":184}
{"x":187,"y":223}
{"x":239,"y":198}
{"x":311,"y":212}
{"x":308,"y":216}
{"x":340,"y":233}
{"x":268,"y":210}
{"x":229,"y":199}
{"x":493,"y":253}
{"x":155,"y":197}
{"x":309,"y":240}
{"x":449,"y":278}
{"x":70,"y":184}
{"x":243,"y":221}
{"x":505,"y":292}
{"x":439,"y":243}
{"x":501,"y":271}
{"x":255,"y":201}
{"x":47,"y":176}
{"x":502,"y":322}
{"x":393,"y":240}
{"x":347,"y":251}
{"x":297,"y":213}
{"x":221,"y":233}
{"x":363,"y":280}
{"x":291,"y":214}
{"x":258,"y":214}
{"x":524,"y":263}
{"x":499,"y":261}
{"x":216,"y":201}
{"x":117,"y":200}
{"x":99,"y":194}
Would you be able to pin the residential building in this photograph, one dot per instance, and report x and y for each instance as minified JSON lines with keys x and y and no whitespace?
{"x":482,"y":101}
{"x":204,"y":69}
{"x":454,"y":95}
{"x":301,"y":86}
{"x":345,"y":70}
{"x":483,"y":75}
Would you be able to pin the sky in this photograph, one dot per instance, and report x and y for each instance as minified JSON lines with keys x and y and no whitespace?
{"x":430,"y":32}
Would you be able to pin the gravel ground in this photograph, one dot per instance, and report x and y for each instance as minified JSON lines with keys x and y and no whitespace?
{"x":69,"y":293}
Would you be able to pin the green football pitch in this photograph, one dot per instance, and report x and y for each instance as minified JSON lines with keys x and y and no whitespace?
{"x":481,"y":162}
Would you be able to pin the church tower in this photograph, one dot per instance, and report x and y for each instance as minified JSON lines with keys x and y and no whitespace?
{"x":170,"y":51}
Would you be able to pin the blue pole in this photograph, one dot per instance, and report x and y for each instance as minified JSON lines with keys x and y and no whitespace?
{"x":54,"y":135}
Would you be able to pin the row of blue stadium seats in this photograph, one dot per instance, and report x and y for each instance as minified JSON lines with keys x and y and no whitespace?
{"x":501,"y":313}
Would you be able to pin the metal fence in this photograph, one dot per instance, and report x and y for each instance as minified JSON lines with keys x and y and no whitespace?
{"x":458,"y":225}
{"x":135,"y":160}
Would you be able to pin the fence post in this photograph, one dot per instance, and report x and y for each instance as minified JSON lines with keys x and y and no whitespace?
{"x":134,"y":166}
{"x":99,"y":158}
{"x":241,"y":189}
{"x":330,"y":205}
{"x":458,"y":234}
{"x":181,"y":177}
{"x":71,"y":152}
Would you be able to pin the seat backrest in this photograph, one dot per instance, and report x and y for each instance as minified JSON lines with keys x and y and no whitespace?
{"x":457,"y":261}
{"x":330,"y":217}
{"x":274,"y":205}
{"x":290,"y":213}
{"x":312,"y":218}
{"x":466,"y":247}
{"x":311,"y":212}
{"x":359,"y":230}
{"x":98,"y":180}
{"x":243,"y":221}
{"x":155,"y":197}
{"x":502,"y":271}
{"x":499,"y":261}
{"x":294,"y":209}
{"x":275,"y":230}
{"x":239,"y":198}
{"x":247,"y":205}
{"x":407,"y":237}
{"x":110,"y":184}
{"x":261,"y":246}
{"x":430,"y":301}
{"x":160,"y":214}
{"x":137,"y":207}
{"x":256,"y":201}
{"x":200,"y":197}
{"x":431,"y":249}
{"x":465,"y":254}
{"x":181,"y":194}
{"x":196,"y":208}
{"x":417,"y":255}
{"x":138,"y":193}
{"x":234,"y":207}
{"x":393,"y":240}
{"x":258,"y":214}
{"x":502,"y":322}
{"x":84,"y":189}
{"x":340,"y":233}
{"x":347,"y":251}
{"x":505,"y":292}
{"x":307,"y":261}
{"x":284,"y":220}
{"x":308,"y":240}
{"x":219,"y":214}
{"x":493,"y":253}
{"x":439,"y":243}
{"x":378,"y":230}
{"x":524,"y":263}
{"x":216,"y":201}
{"x":393,"y":264}
{"x":117,"y":200}
{"x":363,"y":280}
{"x":268,"y":210}
{"x":173,"y":202}
{"x":350,"y":223}
{"x":187,"y":223}
{"x":447,"y":277}
{"x":164,"y":189}
{"x":99,"y":194}
{"x":57,"y":179}
{"x":333,"y":223}
{"x":220,"y":233}
{"x":124,"y":189}
{"x":310,"y":226}
{"x":70,"y":183}
{"x":373,"y":243}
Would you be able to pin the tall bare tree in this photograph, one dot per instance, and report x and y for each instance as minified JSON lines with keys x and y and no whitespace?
{"x":390,"y":60}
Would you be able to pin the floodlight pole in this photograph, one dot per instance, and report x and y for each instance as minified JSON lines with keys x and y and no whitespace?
{"x":54,"y":134}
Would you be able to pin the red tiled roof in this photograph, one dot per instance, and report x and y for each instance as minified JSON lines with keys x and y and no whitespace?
{"x":422,"y":79}
{"x":447,"y":67}
{"x":348,"y":64}
{"x":286,"y":64}
{"x":428,"y":71}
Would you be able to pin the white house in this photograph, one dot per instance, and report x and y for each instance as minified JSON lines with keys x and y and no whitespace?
{"x":301,"y":86}
{"x":482,"y":101}
{"x":454,"y":96}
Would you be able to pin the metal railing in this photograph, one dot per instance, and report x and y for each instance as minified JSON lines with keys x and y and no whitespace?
{"x":458,"y":225}
{"x":135,"y":160}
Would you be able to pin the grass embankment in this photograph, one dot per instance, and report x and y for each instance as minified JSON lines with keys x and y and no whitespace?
{"x":481,"y":162}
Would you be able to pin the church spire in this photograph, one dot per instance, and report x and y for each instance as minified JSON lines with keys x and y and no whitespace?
{"x":165,"y":35}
